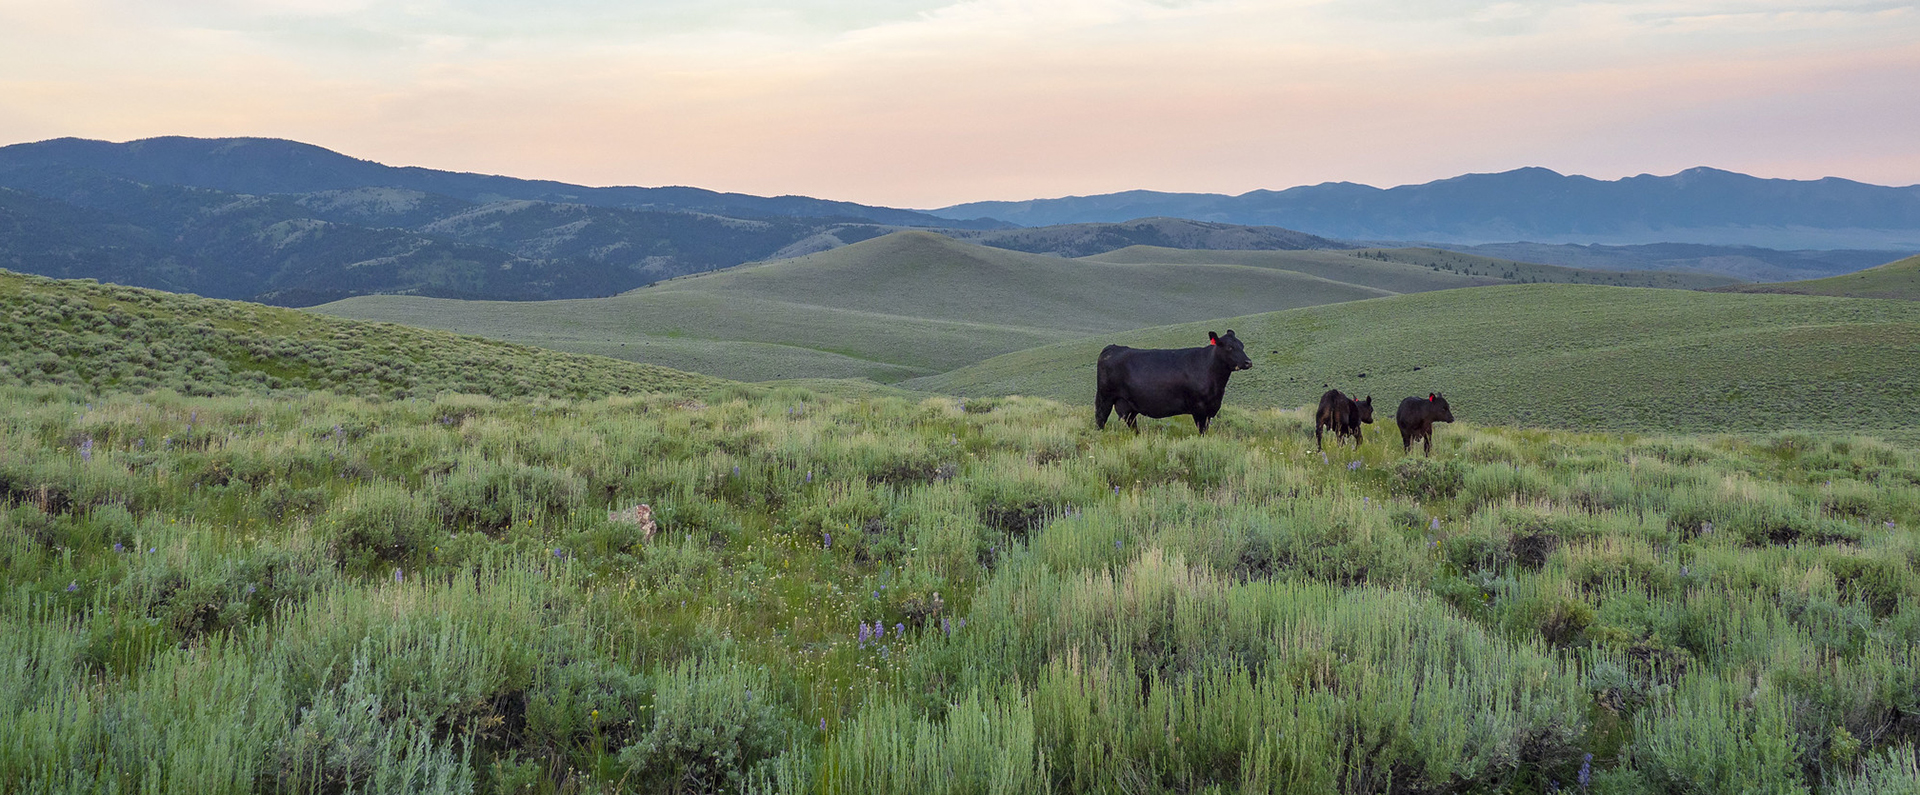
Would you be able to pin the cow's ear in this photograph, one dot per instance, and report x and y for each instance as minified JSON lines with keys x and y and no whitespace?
{"x":1432,"y":397}
{"x":1214,"y":339}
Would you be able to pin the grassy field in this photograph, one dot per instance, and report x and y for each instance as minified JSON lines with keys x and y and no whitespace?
{"x":1896,"y":280}
{"x":908,"y":304}
{"x":1413,"y":270}
{"x":102,"y":338}
{"x":1547,"y":355}
{"x":915,"y":304}
{"x":331,"y":594}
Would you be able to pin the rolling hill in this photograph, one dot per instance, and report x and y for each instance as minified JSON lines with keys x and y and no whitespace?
{"x":105,"y":338}
{"x":1547,"y":355}
{"x":1699,"y":205}
{"x":914,"y":303}
{"x":907,"y":304}
{"x":1898,"y":280}
{"x":1746,"y":263}
{"x":1412,"y":270}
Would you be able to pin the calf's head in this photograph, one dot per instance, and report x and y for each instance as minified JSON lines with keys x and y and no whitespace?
{"x":1441,"y":411}
{"x":1227,"y":348}
{"x":1365,"y":409}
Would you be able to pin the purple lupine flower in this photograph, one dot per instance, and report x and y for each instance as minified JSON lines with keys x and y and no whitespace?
{"x":963,"y":623}
{"x":828,"y":539}
{"x":809,"y":476}
{"x":1323,"y":458}
{"x":398,"y":575}
{"x":118,"y":548}
{"x":1586,"y":771}
{"x":86,"y":449}
{"x":823,"y":724}
{"x":946,"y":625}
{"x":1889,"y":524}
{"x":73,"y":586}
{"x":1353,"y":466}
{"x":879,"y":630}
{"x":1435,"y":525}
{"x":251,"y":588}
{"x":559,"y":553}
{"x":899,"y":630}
{"x":865,"y":634}
{"x":736,"y":473}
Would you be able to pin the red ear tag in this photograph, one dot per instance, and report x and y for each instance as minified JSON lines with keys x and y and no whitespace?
{"x":1430,"y":397}
{"x":1213,"y":342}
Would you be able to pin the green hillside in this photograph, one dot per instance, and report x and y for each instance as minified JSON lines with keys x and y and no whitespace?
{"x":1408,"y":270}
{"x":103,"y":338}
{"x":1342,"y":266}
{"x":1897,"y":280}
{"x":907,"y":304}
{"x":1549,"y":355}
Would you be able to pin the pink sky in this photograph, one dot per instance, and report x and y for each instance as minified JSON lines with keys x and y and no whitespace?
{"x":925,"y":103}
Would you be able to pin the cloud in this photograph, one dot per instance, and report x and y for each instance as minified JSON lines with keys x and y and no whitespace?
{"x":936,"y":102}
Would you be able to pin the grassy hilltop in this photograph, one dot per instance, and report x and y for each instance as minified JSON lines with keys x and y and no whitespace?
{"x":322,"y":594}
{"x":102,"y":338}
{"x":915,"y":304}
{"x":907,"y":304}
{"x":1899,"y":280}
{"x":1550,"y":355}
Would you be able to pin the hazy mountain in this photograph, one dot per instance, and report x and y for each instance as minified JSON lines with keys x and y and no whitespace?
{"x":300,"y":249}
{"x":1699,"y":205}
{"x":263,"y":166}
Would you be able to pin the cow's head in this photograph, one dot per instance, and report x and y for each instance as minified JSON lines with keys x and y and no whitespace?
{"x":1227,"y":348}
{"x":1444,"y":411}
{"x":1365,"y":409}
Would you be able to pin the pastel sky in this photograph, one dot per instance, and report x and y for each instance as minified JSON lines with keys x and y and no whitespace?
{"x":925,"y":103}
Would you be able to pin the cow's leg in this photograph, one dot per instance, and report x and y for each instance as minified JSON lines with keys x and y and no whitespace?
{"x":1317,"y":443}
{"x":1406,"y":441}
{"x":1200,"y":421}
{"x":1357,"y":437}
{"x":1102,"y":406}
{"x":1128,"y":413}
{"x":1429,"y":444}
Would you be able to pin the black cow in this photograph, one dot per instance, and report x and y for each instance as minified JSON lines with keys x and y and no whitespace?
{"x":1160,"y":382}
{"x":1417,"y":416}
{"x":1343,"y":414}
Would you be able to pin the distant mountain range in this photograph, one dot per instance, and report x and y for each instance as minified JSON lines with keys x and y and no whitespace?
{"x":268,"y":166}
{"x":294,"y":224}
{"x":1699,"y":205}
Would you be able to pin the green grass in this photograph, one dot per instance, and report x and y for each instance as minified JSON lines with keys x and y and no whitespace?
{"x":1408,"y":270}
{"x":98,"y":339}
{"x":318,"y":593}
{"x":908,"y":304}
{"x":1897,"y":280}
{"x":1547,"y":355}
